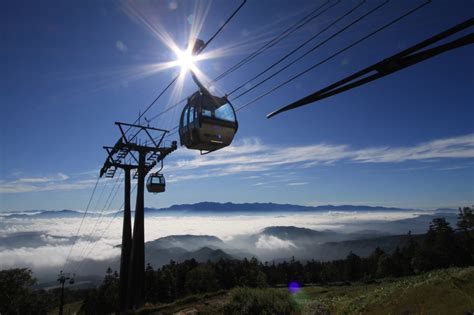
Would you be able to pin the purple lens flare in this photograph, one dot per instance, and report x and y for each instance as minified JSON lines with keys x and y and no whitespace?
{"x":294,"y":287}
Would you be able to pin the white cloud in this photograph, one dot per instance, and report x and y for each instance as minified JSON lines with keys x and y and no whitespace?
{"x":222,"y":226}
{"x":270,"y":242}
{"x":47,"y":256}
{"x":453,"y":168}
{"x":57,"y":182}
{"x":252,"y":177}
{"x":58,"y":177}
{"x":121,"y":46}
{"x":251,"y":155}
{"x":456,"y":147}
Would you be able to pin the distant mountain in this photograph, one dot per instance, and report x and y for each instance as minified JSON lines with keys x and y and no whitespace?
{"x":300,"y":235}
{"x":326,"y":245}
{"x":46,"y":214}
{"x":446,"y":211}
{"x":158,"y":257}
{"x":206,"y":254}
{"x":293,"y":232}
{"x":362,"y":247}
{"x":187,"y":242}
{"x":60,"y":214}
{"x":182,"y":247}
{"x":207,"y":207}
{"x":263,"y":207}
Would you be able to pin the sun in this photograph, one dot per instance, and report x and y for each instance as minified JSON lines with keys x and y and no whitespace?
{"x":185,"y":60}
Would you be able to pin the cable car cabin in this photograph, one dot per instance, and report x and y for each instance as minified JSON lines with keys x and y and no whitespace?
{"x":156,"y":183}
{"x":208,"y":123}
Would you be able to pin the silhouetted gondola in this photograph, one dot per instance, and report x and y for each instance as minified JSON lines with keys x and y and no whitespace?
{"x":156,"y":183}
{"x":208,"y":123}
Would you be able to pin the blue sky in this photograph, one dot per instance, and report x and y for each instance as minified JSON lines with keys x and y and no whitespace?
{"x":71,"y":69}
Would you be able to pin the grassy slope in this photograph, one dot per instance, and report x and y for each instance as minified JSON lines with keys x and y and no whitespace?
{"x":210,"y":303}
{"x":69,"y":309}
{"x":449,"y":291}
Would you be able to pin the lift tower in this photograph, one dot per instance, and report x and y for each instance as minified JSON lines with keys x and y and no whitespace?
{"x":62,"y":278}
{"x":146,"y":142}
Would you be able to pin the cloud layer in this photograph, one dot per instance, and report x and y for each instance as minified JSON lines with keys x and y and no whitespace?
{"x":52,"y":251}
{"x":251,"y":155}
{"x":270,"y":242}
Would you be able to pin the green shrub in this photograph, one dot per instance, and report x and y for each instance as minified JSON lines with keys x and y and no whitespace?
{"x":260,"y":301}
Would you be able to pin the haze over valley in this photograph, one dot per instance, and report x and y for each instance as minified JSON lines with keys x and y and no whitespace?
{"x":271,"y":232}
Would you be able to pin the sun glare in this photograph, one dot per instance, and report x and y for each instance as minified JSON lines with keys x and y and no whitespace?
{"x":185,"y":60}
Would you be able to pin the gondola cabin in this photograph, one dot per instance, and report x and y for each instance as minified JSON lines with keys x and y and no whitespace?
{"x":208,"y":123}
{"x":156,"y":183}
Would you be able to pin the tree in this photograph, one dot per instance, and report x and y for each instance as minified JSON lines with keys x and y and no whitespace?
{"x":466,"y":225}
{"x":373,"y":261}
{"x":465,"y":219}
{"x":352,"y":267}
{"x":15,"y":293}
{"x":385,"y":267}
{"x":409,"y":251}
{"x":201,"y":279}
{"x":439,"y":249}
{"x":103,"y":300}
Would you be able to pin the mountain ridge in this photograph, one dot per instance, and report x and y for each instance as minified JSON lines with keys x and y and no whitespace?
{"x":212,"y":207}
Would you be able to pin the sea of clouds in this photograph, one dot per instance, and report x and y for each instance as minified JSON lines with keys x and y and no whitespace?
{"x":45,"y":243}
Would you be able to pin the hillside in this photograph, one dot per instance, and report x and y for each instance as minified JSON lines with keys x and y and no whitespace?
{"x":448,"y":291}
{"x":445,"y":291}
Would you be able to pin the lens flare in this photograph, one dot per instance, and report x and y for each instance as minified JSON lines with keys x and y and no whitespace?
{"x":294,"y":287}
{"x":185,"y":60}
{"x":144,"y":13}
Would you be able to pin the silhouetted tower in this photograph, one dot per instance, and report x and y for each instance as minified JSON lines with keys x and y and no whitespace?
{"x":62,"y":278}
{"x":150,"y":152}
{"x":126,"y":242}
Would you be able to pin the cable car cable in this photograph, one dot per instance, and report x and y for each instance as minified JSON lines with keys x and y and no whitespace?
{"x":309,"y":51}
{"x":313,"y":48}
{"x":150,"y":105}
{"x":142,"y":114}
{"x":300,"y":46}
{"x":335,"y":54}
{"x":298,"y":24}
{"x":176,"y":77}
{"x":82,"y":221}
{"x":223,"y":25}
{"x":330,"y":57}
{"x":275,"y":40}
{"x":87,"y":249}
{"x":103,"y":232}
{"x":100,"y":217}
{"x":388,"y":66}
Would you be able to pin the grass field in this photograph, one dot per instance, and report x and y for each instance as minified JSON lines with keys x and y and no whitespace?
{"x":69,"y":309}
{"x":449,"y":291}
